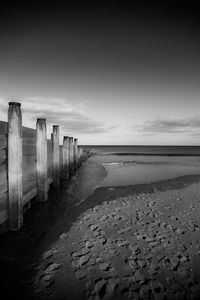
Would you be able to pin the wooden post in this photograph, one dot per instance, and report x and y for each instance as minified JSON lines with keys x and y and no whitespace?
{"x":81,"y":153}
{"x":78,"y":155}
{"x":41,"y":146}
{"x":15,"y":192}
{"x":75,"y":154}
{"x":61,"y":161}
{"x":56,"y":162}
{"x":71,"y":156}
{"x":66,"y":158}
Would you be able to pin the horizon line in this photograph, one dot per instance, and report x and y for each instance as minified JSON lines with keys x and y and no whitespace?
{"x":110,"y":145}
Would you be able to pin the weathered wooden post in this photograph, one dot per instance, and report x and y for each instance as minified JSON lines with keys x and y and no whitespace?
{"x":75,"y":154}
{"x":15,"y":191}
{"x":61,"y":161}
{"x":78,"y":155}
{"x":71,"y":155}
{"x":41,"y":147}
{"x":81,"y":154}
{"x":56,"y":162}
{"x":65,"y":158}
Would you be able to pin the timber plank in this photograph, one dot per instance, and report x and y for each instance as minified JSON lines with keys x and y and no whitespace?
{"x":28,"y":177}
{"x":29,"y":186}
{"x":29,"y":159}
{"x":3,"y":167}
{"x":3,"y":177}
{"x":28,"y":132}
{"x":3,"y":127}
{"x":3,"y":216}
{"x":3,"y":192}
{"x":3,"y":155}
{"x":29,"y":141}
{"x":28,"y":150}
{"x":29,"y":195}
{"x":27,"y":168}
{"x":3,"y":145}
{"x":3,"y":201}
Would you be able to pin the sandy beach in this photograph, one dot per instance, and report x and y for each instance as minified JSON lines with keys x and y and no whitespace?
{"x":120,"y":242}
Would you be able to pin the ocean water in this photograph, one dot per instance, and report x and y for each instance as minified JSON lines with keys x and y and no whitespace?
{"x":147,"y":150}
{"x":129,"y":165}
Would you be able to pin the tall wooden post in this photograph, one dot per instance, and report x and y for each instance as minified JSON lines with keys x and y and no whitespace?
{"x":78,"y":155}
{"x":15,"y":192}
{"x":75,"y":154}
{"x":41,"y":146}
{"x":65,"y":157}
{"x":56,"y":162}
{"x":71,"y":155}
{"x":81,"y":153}
{"x":61,"y":161}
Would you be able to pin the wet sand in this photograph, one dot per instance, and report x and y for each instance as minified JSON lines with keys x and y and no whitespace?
{"x":128,"y":242}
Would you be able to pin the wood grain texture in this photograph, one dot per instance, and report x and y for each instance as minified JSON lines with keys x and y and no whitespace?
{"x":3,"y":167}
{"x":3,"y":178}
{"x":3,"y":155}
{"x":29,"y":141}
{"x":3,"y":141}
{"x":29,"y":159}
{"x":28,"y":149}
{"x":28,"y":132}
{"x":28,"y":177}
{"x":3,"y":127}
{"x":29,"y":195}
{"x":29,"y":186}
{"x":3,"y":187}
{"x":29,"y":167}
{"x":3,"y":200}
{"x":3,"y":216}
{"x":49,"y":144}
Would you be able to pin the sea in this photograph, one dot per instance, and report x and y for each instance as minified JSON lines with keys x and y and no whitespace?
{"x":130,"y":165}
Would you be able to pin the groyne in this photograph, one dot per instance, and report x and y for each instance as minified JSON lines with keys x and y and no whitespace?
{"x":30,"y":164}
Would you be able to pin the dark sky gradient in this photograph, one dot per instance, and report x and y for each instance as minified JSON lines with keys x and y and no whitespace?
{"x":95,"y":51}
{"x":100,"y":42}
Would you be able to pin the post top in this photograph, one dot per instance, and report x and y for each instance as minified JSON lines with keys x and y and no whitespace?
{"x":14,"y":103}
{"x":65,"y":137}
{"x":41,"y":119}
{"x":55,"y":126}
{"x":71,"y":137}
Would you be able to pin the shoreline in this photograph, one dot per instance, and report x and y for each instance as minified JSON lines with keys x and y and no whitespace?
{"x":35,"y":226}
{"x":122,"y":191}
{"x":152,"y":154}
{"x":124,"y":172}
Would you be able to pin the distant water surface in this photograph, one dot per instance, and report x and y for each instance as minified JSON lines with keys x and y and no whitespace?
{"x":147,"y":150}
{"x":129,"y":165}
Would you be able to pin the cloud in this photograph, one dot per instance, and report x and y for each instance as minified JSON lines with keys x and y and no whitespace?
{"x":190,"y":125}
{"x":71,"y":118}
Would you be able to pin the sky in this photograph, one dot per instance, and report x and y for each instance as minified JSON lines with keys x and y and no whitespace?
{"x":106,"y":72}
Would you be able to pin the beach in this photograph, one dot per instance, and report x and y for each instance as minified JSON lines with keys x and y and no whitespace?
{"x":100,"y":150}
{"x":138,"y":241}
